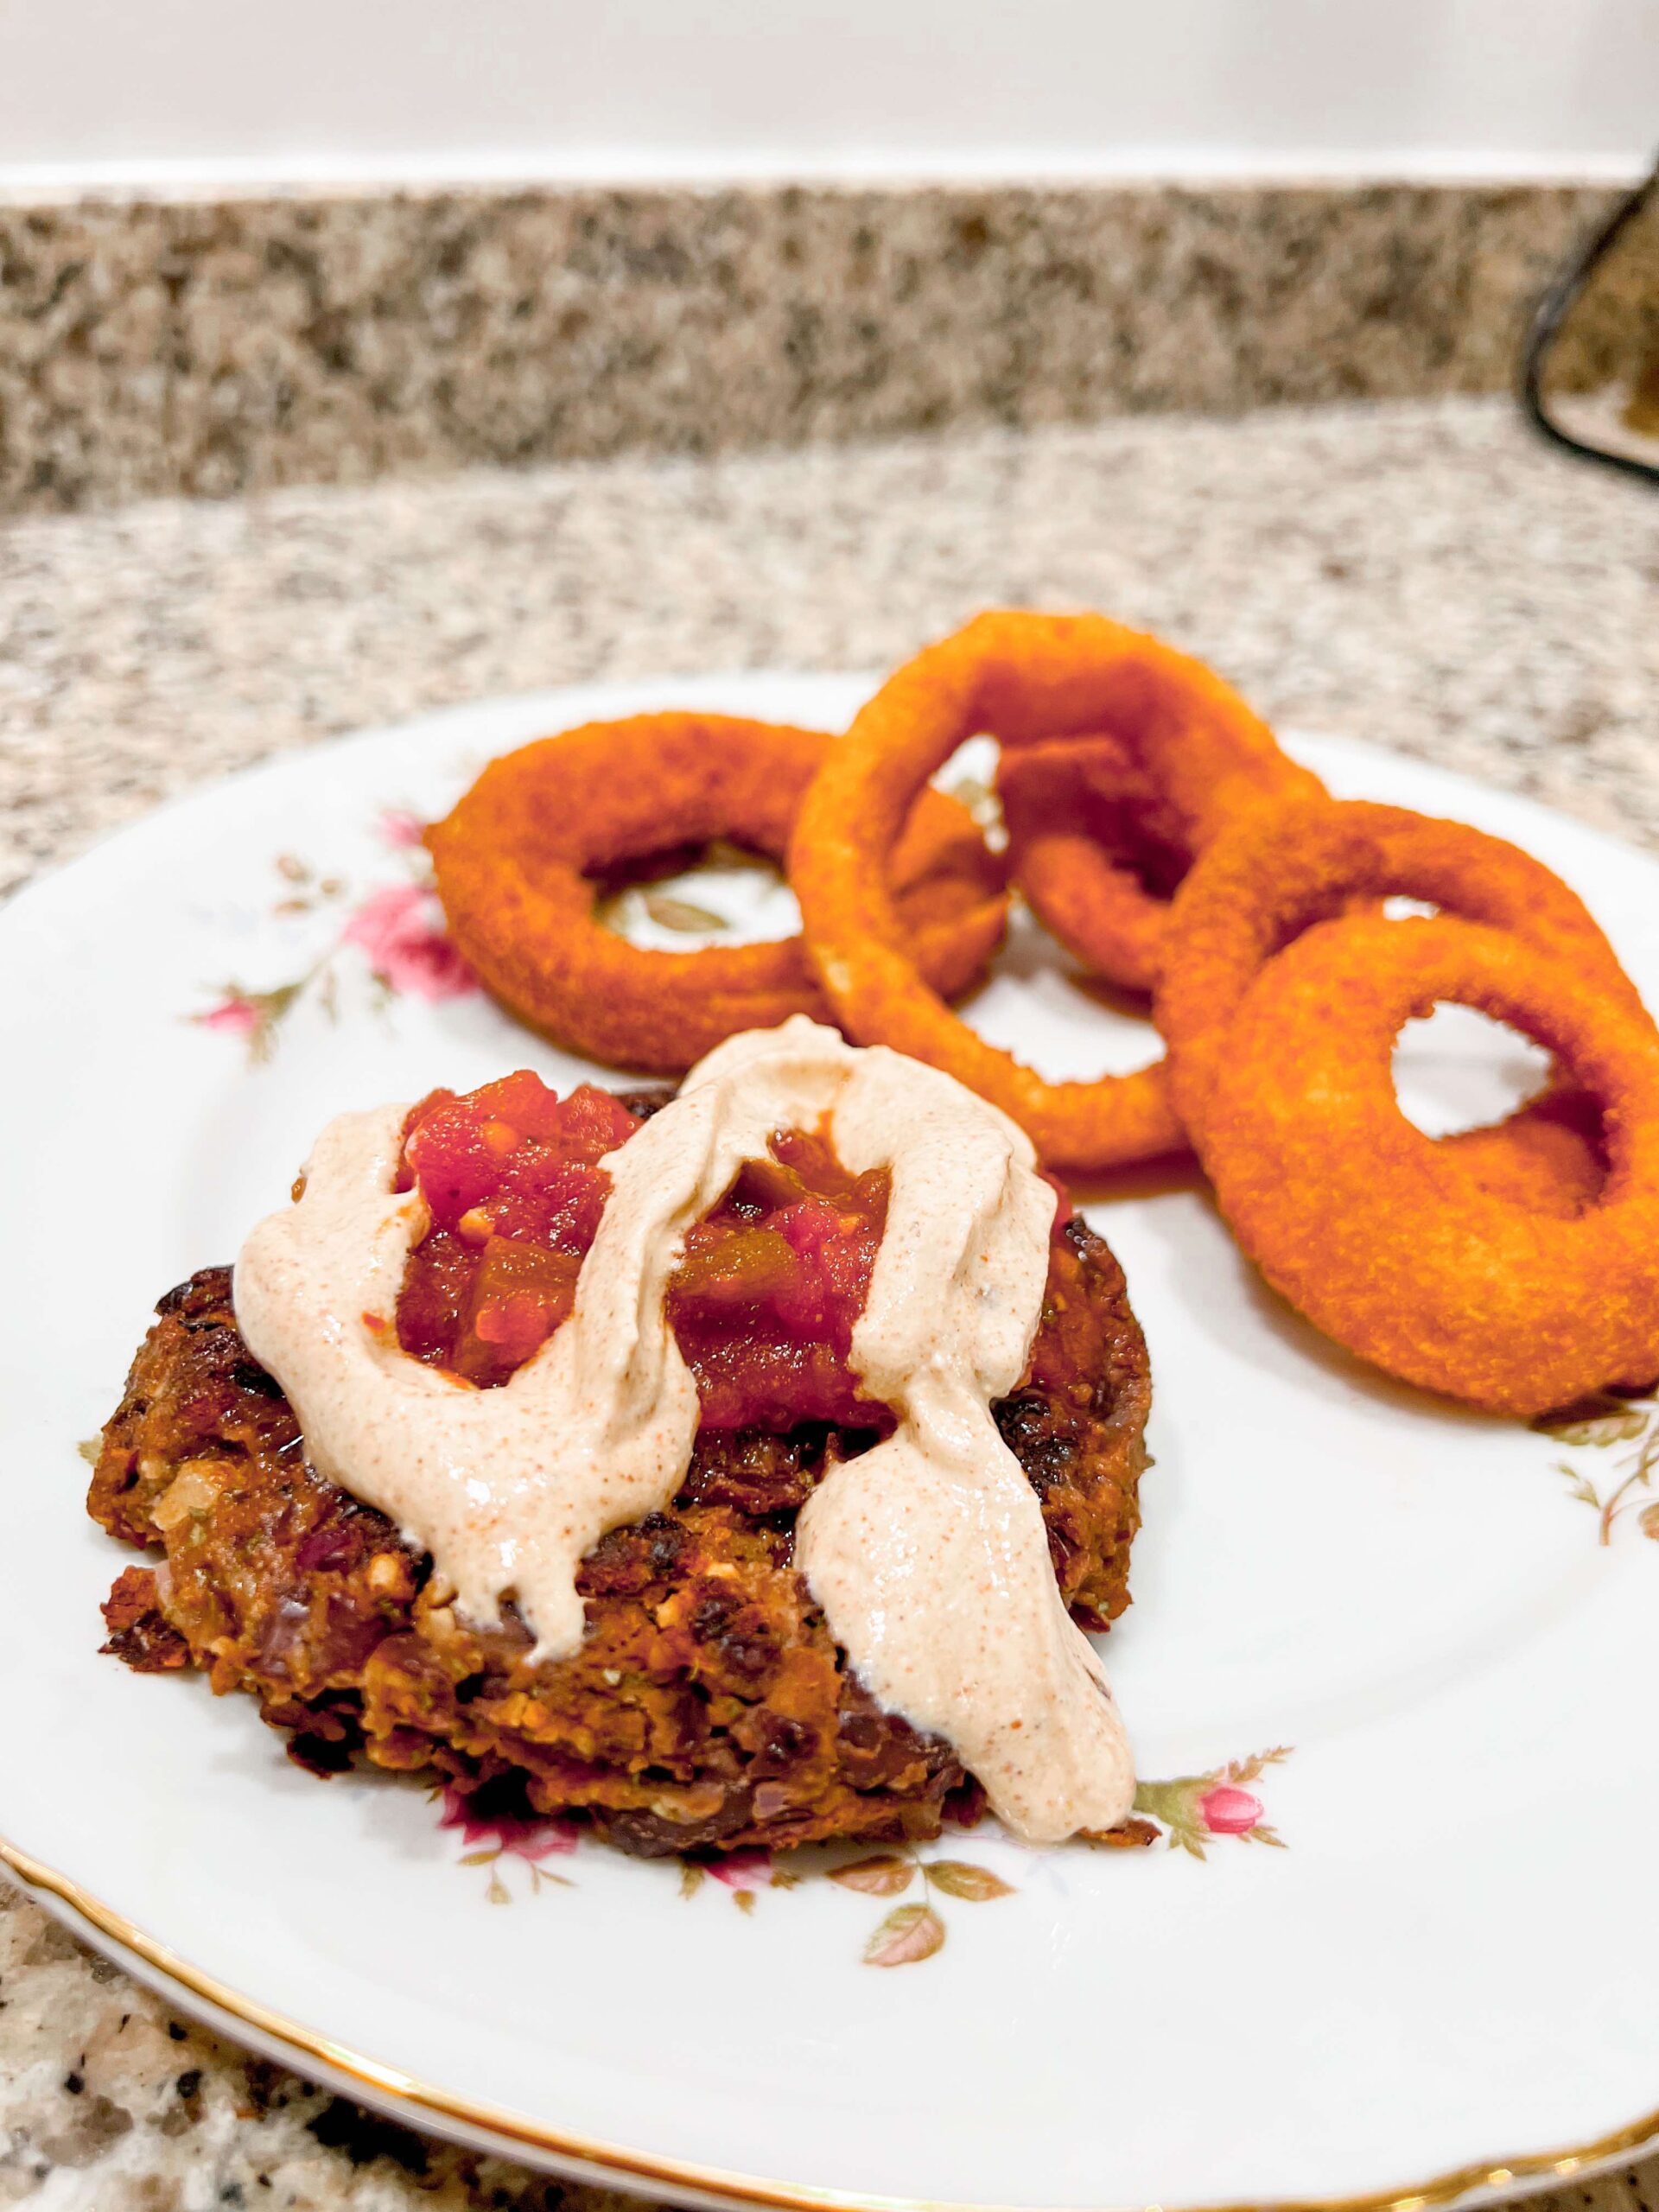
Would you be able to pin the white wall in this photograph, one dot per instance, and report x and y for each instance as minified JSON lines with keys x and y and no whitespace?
{"x":186,"y":93}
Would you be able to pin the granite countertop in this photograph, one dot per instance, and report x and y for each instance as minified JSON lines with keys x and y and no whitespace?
{"x":1424,"y":576}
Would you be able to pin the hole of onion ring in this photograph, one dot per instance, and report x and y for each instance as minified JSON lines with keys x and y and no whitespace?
{"x":1038,"y":1003}
{"x":969,"y":776}
{"x":1458,"y":1070}
{"x":678,"y":901}
{"x":1401,"y":910}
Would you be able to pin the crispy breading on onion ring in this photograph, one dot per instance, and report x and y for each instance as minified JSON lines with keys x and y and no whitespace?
{"x":517,"y":858}
{"x":1550,"y":1154}
{"x":1097,"y":838}
{"x":1367,"y":1227}
{"x":1268,"y":878}
{"x":1023,"y":678}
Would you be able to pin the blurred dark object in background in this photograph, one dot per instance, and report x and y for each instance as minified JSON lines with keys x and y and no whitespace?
{"x":1589,"y":377}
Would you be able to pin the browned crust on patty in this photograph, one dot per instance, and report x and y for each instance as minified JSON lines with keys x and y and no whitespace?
{"x":709,"y":1705}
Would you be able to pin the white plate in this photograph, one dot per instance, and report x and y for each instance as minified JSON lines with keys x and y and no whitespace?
{"x":1449,"y":1972}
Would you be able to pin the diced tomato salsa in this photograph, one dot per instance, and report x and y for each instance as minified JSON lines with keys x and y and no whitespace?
{"x":511,"y":1175}
{"x":771,"y":1283}
{"x":763,"y":1304}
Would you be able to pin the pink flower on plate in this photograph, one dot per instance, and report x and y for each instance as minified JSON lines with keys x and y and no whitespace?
{"x":749,"y":1869}
{"x":533,"y":1839}
{"x":233,"y":1016}
{"x":400,"y":827}
{"x":1227,"y":1810}
{"x":406,"y":947}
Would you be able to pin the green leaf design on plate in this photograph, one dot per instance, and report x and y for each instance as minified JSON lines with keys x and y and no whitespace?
{"x":1578,"y":1487}
{"x":1602,"y":1421}
{"x":884,"y":1876}
{"x":960,"y":1877}
{"x":1174,"y":1806}
{"x":1250,"y":1768}
{"x":911,"y":1932}
{"x":671,"y":913}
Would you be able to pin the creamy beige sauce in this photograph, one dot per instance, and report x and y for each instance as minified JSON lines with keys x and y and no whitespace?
{"x":928,"y":1554}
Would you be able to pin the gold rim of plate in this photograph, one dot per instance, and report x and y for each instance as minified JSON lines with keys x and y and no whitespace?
{"x":387,"y":2084}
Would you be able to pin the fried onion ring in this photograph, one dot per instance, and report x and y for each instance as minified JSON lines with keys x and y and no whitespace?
{"x":1366,"y":1226}
{"x":1023,"y":678}
{"x":516,"y":857}
{"x":1097,"y":844}
{"x":1268,"y":878}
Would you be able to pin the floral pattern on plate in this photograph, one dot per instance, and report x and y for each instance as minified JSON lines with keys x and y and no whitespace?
{"x":1599,"y":1427}
{"x":1195,"y":1809}
{"x":397,"y":928}
{"x":1189,"y":1813}
{"x":506,"y":1836}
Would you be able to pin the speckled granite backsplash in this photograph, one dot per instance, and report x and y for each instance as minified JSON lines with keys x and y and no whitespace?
{"x":212,"y":348}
